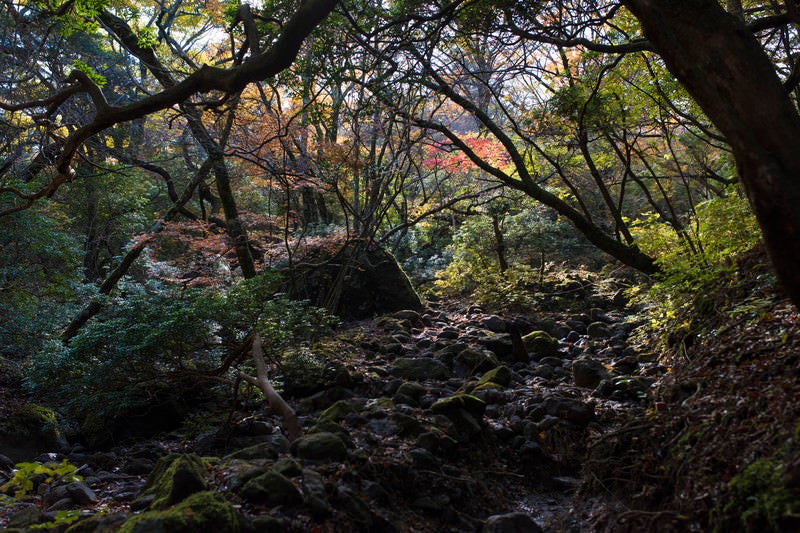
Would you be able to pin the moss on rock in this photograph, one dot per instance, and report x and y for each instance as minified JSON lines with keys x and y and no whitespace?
{"x":540,"y":344}
{"x":202,"y":511}
{"x":500,"y":375}
{"x":175,"y":478}
{"x":272,"y":488}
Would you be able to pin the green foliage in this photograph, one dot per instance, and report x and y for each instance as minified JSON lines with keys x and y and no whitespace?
{"x":99,"y":79}
{"x":22,"y":482}
{"x":63,"y":517}
{"x":695,"y":267}
{"x":156,"y":343}
{"x":39,"y":278}
{"x":760,"y":498}
{"x":532,"y":238}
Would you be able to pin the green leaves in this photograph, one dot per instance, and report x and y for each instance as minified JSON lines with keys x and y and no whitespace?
{"x":99,"y":79}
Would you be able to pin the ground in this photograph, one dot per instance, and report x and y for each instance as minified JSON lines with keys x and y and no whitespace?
{"x":700,"y":435}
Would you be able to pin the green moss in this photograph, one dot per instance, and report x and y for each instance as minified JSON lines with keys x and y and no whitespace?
{"x":500,"y":375}
{"x":471,"y":404}
{"x":336,"y":412}
{"x":202,"y":511}
{"x":541,"y":343}
{"x":760,"y":500}
{"x":174,"y":478}
{"x":272,"y":488}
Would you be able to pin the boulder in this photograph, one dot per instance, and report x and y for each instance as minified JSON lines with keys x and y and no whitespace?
{"x":360,"y":280}
{"x":321,"y":446}
{"x":540,"y":344}
{"x":202,"y":511}
{"x":500,"y":375}
{"x":419,"y":368}
{"x":271,"y":488}
{"x":588,"y":372}
{"x":175,"y":478}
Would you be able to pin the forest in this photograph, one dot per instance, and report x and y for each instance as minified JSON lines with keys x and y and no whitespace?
{"x":412,"y":265}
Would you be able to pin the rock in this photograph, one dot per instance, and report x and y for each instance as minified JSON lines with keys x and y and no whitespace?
{"x":471,"y":404}
{"x":540,"y":344}
{"x":493,"y":323}
{"x":240,"y":472}
{"x":598,"y":330}
{"x":99,"y":523}
{"x":588,"y":372}
{"x":287,"y":467}
{"x":81,"y":494}
{"x":411,"y":389}
{"x":569,"y":409}
{"x":202,"y":511}
{"x":336,"y":412}
{"x":271,"y":488}
{"x":270,"y":447}
{"x":412,"y":316}
{"x":354,"y":506}
{"x":315,"y":493}
{"x":373,"y":282}
{"x":423,"y":458}
{"x":29,"y":431}
{"x":420,"y":368}
{"x":320,"y":447}
{"x":511,"y":523}
{"x":391,"y":323}
{"x":500,"y":375}
{"x":23,"y":518}
{"x":139,"y":466}
{"x":501,"y":344}
{"x":435,"y":503}
{"x":470,"y":361}
{"x":174,"y":478}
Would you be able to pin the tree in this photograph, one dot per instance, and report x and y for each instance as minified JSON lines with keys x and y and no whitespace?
{"x":725,"y":68}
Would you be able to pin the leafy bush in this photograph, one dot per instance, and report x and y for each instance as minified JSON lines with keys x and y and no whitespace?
{"x":159,"y":344}
{"x":695,"y":271}
{"x":39,"y":278}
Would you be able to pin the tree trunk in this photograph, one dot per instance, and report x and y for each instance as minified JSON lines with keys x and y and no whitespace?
{"x":724,"y":68}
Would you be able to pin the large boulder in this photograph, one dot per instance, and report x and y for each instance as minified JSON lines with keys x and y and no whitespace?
{"x":360,"y":280}
{"x":174,"y":478}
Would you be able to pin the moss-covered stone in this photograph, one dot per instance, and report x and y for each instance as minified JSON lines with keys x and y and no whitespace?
{"x":99,"y":523}
{"x":272,"y":488}
{"x":540,"y":344}
{"x":320,"y":447}
{"x":202,"y":511}
{"x":419,"y":368}
{"x":471,"y":361}
{"x":500,"y":375}
{"x":473,"y":405}
{"x":174,"y":478}
{"x":288,"y":467}
{"x":336,"y":412}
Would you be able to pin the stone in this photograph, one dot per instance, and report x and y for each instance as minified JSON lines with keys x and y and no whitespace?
{"x":501,"y":344}
{"x":493,"y":323}
{"x":511,"y":523}
{"x":336,"y":412}
{"x":354,"y":506}
{"x":320,"y":447}
{"x":471,"y":404}
{"x":271,"y":488}
{"x":470,"y":361}
{"x":374,"y":283}
{"x":270,"y":447}
{"x":569,"y":409}
{"x":598,"y":330}
{"x":99,"y":523}
{"x":412,"y":389}
{"x":540,"y":344}
{"x":174,"y":478}
{"x":500,"y":375}
{"x":588,"y":372}
{"x":316,"y":493}
{"x":419,"y":368}
{"x":81,"y":494}
{"x":202,"y":511}
{"x":23,"y":518}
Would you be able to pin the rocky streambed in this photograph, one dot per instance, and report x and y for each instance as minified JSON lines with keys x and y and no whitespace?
{"x":432,"y":421}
